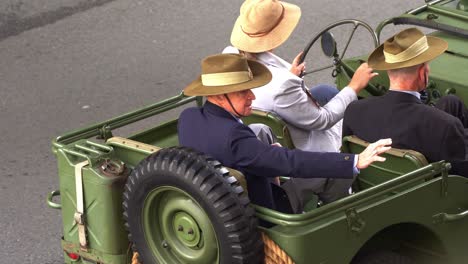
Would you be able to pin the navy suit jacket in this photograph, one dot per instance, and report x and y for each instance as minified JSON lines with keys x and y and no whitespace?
{"x":410,"y":124}
{"x":214,"y":131}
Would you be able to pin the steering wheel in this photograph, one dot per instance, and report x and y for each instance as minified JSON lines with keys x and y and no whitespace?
{"x":329,"y":46}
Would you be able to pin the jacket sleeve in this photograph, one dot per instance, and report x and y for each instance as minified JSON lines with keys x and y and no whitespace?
{"x":294,"y":106}
{"x":257,"y":158}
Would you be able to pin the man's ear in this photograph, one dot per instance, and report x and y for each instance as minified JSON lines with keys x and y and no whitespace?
{"x":422,"y":75}
{"x":421,"y":72}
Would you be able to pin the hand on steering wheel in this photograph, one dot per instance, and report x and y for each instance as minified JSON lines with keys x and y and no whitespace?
{"x":296,"y":67}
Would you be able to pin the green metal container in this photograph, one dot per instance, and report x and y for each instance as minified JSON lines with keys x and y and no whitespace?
{"x":102,"y":198}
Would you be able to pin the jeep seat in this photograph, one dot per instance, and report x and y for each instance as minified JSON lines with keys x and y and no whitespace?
{"x":398,"y":162}
{"x":277,"y":125}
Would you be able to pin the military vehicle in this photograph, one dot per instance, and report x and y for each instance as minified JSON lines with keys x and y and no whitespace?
{"x":144,"y":193}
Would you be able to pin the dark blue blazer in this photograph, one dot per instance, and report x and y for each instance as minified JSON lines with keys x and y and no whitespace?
{"x":214,"y":131}
{"x":409,"y":123}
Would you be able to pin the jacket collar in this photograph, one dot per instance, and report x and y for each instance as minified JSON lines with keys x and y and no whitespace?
{"x":404,"y":97}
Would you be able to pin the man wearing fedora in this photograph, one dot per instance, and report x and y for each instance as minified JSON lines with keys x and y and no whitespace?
{"x":399,"y":113}
{"x":313,"y":116}
{"x":314,"y":119}
{"x":216,"y":129}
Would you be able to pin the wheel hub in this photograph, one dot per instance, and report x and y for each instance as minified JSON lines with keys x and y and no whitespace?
{"x":186,"y":229}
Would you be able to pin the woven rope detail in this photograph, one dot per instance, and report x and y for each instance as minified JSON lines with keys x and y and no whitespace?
{"x":273,"y":253}
{"x":135,"y":258}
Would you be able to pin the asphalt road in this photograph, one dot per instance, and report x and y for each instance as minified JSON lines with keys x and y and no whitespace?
{"x":68,"y":68}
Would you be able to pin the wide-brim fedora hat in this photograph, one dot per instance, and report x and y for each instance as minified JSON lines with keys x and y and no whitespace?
{"x":264,"y":25}
{"x":407,"y":48}
{"x":227,"y":73}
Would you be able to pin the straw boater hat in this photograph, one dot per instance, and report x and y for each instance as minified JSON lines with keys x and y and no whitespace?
{"x":227,"y":73}
{"x":264,"y":25}
{"x":408,"y":48}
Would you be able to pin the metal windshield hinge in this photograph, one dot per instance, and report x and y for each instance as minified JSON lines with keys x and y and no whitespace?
{"x":445,"y":170}
{"x":355,"y":223}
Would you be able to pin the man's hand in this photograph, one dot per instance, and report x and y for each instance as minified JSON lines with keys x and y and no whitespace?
{"x":297,"y":68}
{"x":361,"y":77}
{"x":372,"y":152}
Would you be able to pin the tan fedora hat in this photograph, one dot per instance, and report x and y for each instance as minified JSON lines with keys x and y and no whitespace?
{"x":408,"y":48}
{"x":227,"y":73}
{"x":264,"y":25}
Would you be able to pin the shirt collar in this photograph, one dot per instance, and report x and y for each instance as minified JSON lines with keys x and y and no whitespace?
{"x":418,"y":95}
{"x":272,"y":60}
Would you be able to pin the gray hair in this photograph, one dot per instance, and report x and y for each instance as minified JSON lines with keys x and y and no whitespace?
{"x":404,"y":72}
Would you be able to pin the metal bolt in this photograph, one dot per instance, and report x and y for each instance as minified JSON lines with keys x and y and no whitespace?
{"x":190,"y":231}
{"x":165,"y":244}
{"x":432,"y":16}
{"x":180,"y":228}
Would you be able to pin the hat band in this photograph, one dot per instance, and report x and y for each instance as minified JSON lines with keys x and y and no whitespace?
{"x":226,"y":78}
{"x":412,"y":51}
{"x":263,"y":33}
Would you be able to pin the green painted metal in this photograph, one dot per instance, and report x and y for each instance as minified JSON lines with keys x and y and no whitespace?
{"x":177,"y":229}
{"x":277,"y":125}
{"x":102,"y":199}
{"x":163,"y":136}
{"x":398,"y":162}
{"x":328,"y":227}
{"x":120,"y":121}
{"x":382,"y":190}
{"x":51,"y":196}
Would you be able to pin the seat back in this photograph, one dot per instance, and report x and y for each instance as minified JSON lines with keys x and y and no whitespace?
{"x":277,"y":125}
{"x":398,"y":162}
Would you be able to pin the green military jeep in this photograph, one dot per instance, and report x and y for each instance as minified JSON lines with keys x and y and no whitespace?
{"x":143,"y":199}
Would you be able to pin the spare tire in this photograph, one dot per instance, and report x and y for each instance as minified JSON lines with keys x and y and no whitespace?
{"x":181,"y":206}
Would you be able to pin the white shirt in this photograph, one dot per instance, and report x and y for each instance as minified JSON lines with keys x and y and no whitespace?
{"x":312,"y":128}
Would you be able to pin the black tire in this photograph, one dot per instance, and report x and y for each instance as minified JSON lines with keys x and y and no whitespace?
{"x":194,"y":190}
{"x":382,"y":257}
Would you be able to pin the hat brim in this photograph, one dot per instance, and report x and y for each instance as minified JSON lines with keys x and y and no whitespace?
{"x":261,"y":76}
{"x":437,"y":46}
{"x":274,"y":38}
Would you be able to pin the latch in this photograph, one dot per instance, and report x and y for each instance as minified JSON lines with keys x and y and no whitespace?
{"x":105,"y":132}
{"x":355,"y":223}
{"x":445,"y":170}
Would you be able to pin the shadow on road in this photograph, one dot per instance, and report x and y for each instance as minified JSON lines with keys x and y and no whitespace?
{"x":11,"y":24}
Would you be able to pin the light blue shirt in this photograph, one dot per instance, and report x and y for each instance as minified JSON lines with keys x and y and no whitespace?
{"x":418,"y":95}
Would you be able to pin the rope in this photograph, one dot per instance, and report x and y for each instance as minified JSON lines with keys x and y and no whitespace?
{"x":273,"y":253}
{"x":135,"y":258}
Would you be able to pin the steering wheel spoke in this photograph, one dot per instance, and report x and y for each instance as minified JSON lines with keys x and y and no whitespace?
{"x":349,"y":40}
{"x":318,"y":69}
{"x":337,"y":58}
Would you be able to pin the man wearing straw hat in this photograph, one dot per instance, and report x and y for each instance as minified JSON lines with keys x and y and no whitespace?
{"x":399,"y":113}
{"x":216,"y":129}
{"x":314,"y":119}
{"x":313,"y":116}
